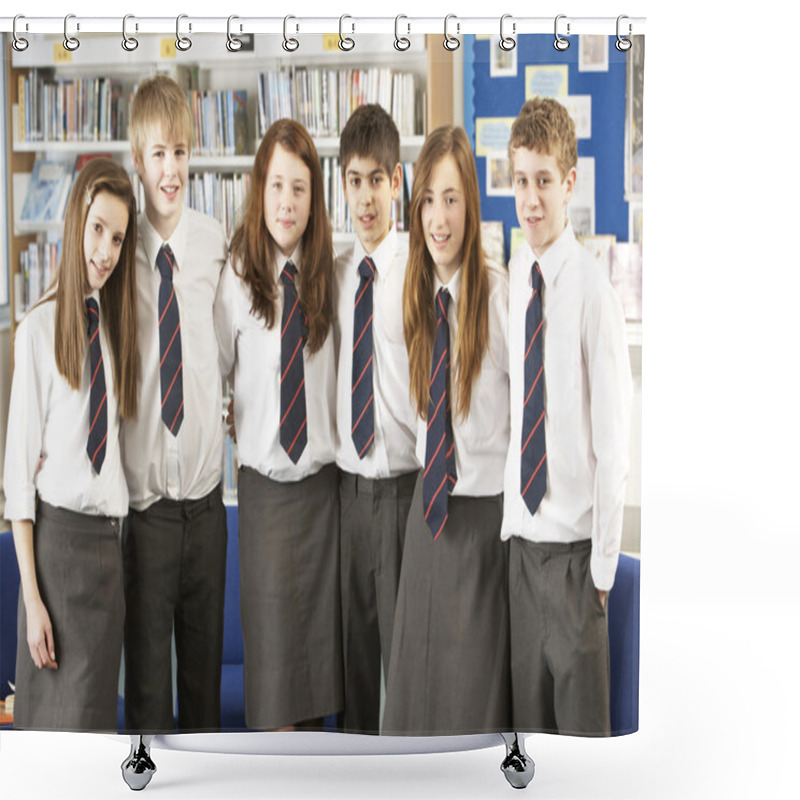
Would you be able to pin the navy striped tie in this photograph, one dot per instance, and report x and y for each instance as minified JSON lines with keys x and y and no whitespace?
{"x":533,"y":478}
{"x":362,"y":394}
{"x":440,"y":475}
{"x":169,"y":340}
{"x":98,"y":411}
{"x":294,"y":332}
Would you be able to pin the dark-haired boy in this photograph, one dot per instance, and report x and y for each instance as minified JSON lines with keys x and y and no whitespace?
{"x":375,"y":421}
{"x":568,"y":457}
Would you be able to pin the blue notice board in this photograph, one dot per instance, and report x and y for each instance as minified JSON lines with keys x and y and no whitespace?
{"x":502,"y":96}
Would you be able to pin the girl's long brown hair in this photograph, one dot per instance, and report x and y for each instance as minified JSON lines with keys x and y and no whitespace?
{"x":419,"y":318}
{"x":253,"y":249}
{"x":117,"y":297}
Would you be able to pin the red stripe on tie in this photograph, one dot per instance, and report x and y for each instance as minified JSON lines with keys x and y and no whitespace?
{"x":168,"y":304}
{"x":433,"y":457}
{"x":177,"y":414}
{"x":533,"y":430}
{"x":302,"y":383}
{"x":369,"y":361}
{"x":436,"y":535}
{"x":172,"y":384}
{"x":366,"y":406}
{"x":533,"y":338}
{"x":436,"y":371}
{"x":96,"y":369}
{"x":435,"y":412}
{"x":169,"y":260}
{"x":366,"y":325}
{"x":97,"y":413}
{"x":527,"y":486}
{"x":441,"y":305}
{"x":99,"y":447}
{"x":291,"y":314}
{"x":358,"y":299}
{"x":299,"y":431}
{"x":94,"y":335}
{"x":435,"y":495}
{"x":366,"y":446}
{"x":291,"y":360}
{"x":169,"y":346}
{"x":533,"y":385}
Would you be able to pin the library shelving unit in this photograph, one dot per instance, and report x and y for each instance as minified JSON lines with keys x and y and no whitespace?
{"x":206,"y":67}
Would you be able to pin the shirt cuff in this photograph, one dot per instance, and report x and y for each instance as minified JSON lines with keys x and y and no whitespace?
{"x":604,"y":570}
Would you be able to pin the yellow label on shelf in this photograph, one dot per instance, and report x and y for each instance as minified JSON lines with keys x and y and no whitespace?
{"x":168,"y":49}
{"x":330,"y":41}
{"x":60,"y":54}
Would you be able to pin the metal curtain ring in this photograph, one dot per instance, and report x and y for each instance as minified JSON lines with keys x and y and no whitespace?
{"x":401,"y":43}
{"x":233,"y":44}
{"x":507,"y":42}
{"x":19,"y":43}
{"x":71,"y":43}
{"x":183,"y":43}
{"x":290,"y":44}
{"x":561,"y":43}
{"x":623,"y":44}
{"x":346,"y":43}
{"x":129,"y":43}
{"x":450,"y":42}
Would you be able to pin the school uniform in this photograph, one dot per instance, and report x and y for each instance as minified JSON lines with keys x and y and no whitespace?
{"x":566,"y":549}
{"x":449,"y":669}
{"x":175,"y":538}
{"x":378,"y":470}
{"x":76,"y":510}
{"x":288,"y":509}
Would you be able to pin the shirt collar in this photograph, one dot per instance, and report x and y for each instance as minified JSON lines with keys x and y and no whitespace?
{"x":453,"y":288}
{"x":382,"y":257}
{"x":281,"y":259}
{"x":556,"y":255}
{"x":152,"y":240}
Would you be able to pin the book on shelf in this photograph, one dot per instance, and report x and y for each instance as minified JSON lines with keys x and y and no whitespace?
{"x":322,"y":100}
{"x":70,"y":109}
{"x":220,"y":122}
{"x":47,"y":193}
{"x":37,"y":267}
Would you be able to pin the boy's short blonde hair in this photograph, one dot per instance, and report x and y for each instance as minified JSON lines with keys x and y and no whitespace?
{"x":545,"y":125}
{"x":159,"y":102}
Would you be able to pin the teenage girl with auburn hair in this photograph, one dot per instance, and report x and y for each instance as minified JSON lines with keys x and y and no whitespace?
{"x":273,"y":314}
{"x":449,"y":669}
{"x":75,"y":374}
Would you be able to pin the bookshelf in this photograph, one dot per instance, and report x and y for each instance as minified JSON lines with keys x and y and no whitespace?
{"x":206,"y":68}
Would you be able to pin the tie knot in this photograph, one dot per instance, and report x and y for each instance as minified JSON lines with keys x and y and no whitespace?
{"x":366,"y":269}
{"x":92,"y":314}
{"x":536,"y":276}
{"x":288,"y":273}
{"x":165,"y":262}
{"x":442,"y":303}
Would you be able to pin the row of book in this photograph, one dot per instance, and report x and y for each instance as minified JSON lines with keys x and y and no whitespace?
{"x":96,"y":109}
{"x":70,"y":110}
{"x":323,"y":99}
{"x":220,"y":122}
{"x":37,"y":266}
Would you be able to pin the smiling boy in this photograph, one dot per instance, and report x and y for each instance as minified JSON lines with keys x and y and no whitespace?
{"x":174,"y":543}
{"x":568,"y":458}
{"x":374,"y":418}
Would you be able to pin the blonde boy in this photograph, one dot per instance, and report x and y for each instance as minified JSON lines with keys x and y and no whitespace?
{"x":374,"y":418}
{"x":174,"y":544}
{"x":568,"y":458}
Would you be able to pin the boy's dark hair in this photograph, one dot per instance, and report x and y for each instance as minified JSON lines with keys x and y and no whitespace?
{"x":370,"y":132}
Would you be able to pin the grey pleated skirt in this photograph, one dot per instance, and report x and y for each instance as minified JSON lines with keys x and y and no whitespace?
{"x":449,"y":671}
{"x":79,"y":572}
{"x":291,"y":617}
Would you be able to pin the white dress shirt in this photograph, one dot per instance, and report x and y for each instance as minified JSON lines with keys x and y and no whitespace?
{"x":588,"y":389}
{"x":392,"y":450}
{"x":250,"y":355}
{"x":157,"y":464}
{"x":481,"y":440}
{"x":48,"y":422}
